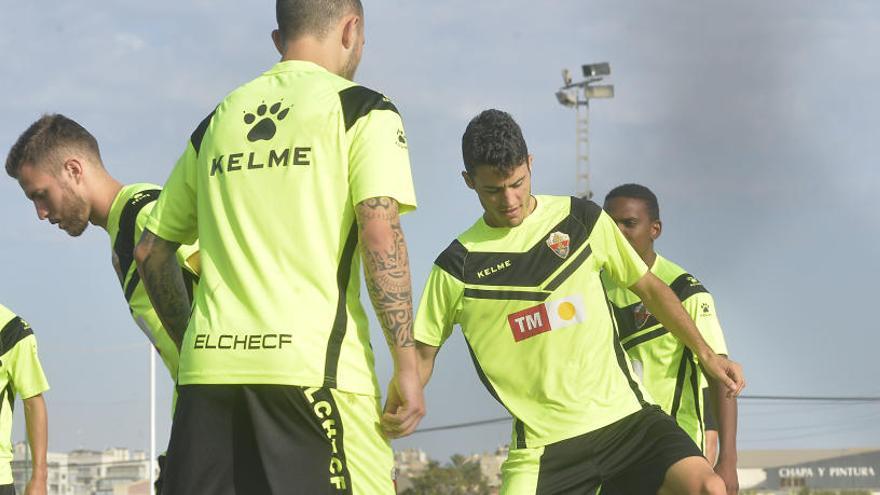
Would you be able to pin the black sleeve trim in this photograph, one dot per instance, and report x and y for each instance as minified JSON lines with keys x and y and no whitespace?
{"x":451,"y":260}
{"x":358,"y":101}
{"x":686,"y":286}
{"x":199,"y":133}
{"x":12,"y":333}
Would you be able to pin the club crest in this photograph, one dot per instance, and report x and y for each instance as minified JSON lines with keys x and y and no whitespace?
{"x":559,"y":242}
{"x":641,"y":315}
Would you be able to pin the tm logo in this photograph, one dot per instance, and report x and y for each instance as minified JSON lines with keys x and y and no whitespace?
{"x":265,"y":129}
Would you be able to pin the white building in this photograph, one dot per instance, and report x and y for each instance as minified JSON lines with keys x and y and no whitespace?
{"x":85,"y":472}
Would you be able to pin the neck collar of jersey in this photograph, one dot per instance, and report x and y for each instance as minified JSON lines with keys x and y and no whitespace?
{"x":296,"y":66}
{"x":115,"y":211}
{"x":526,"y":221}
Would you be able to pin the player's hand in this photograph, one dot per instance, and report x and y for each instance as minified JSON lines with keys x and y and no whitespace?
{"x":728,"y":373}
{"x":727,"y":472}
{"x":36,"y":486}
{"x":405,"y":405}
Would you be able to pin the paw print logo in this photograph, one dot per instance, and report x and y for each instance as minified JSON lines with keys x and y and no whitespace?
{"x":264,"y":130}
{"x":401,"y":139}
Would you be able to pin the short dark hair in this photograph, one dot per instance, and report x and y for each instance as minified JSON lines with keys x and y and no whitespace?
{"x":297,"y":18}
{"x":46,"y":136}
{"x":637,"y":191}
{"x":493,"y":138}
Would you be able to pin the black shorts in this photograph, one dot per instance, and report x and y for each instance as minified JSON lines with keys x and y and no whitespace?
{"x":7,"y":489}
{"x":629,"y":457}
{"x":708,"y":415}
{"x":275,"y":439}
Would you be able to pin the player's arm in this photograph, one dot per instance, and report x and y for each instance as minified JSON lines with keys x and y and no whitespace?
{"x":157,"y":264}
{"x":386,"y":268}
{"x":725,"y":409}
{"x":37,"y":424}
{"x":665,"y":305}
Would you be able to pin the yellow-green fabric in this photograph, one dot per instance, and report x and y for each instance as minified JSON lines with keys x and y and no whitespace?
{"x":20,"y":374}
{"x":531,"y":306}
{"x":667,"y":368}
{"x":268,"y":183}
{"x":142,"y":203}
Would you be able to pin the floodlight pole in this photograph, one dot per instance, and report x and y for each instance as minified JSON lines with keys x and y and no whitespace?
{"x":582,"y":114}
{"x":578,"y":95}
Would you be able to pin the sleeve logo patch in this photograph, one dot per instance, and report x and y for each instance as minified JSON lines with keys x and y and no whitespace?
{"x":551,"y":315}
{"x":558,"y":242}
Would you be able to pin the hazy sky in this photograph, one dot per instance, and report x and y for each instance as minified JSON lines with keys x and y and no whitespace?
{"x":754,"y":122}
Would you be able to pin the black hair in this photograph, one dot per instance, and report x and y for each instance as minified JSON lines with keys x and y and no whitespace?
{"x":493,"y":138}
{"x":637,"y":191}
{"x":297,"y":18}
{"x":45,"y":136}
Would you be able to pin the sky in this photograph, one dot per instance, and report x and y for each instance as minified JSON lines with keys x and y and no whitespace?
{"x":753,"y":121}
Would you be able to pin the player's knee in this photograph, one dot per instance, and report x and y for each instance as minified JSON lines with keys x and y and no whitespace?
{"x":713,"y":485}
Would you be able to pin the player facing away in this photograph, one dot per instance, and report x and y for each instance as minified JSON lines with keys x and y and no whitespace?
{"x":523,"y":284}
{"x":288,"y":184}
{"x":22,"y":374}
{"x":667,"y":368}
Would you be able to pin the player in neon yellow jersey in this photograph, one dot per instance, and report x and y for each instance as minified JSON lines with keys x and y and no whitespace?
{"x":21,"y":374}
{"x":58,"y":165}
{"x":523,"y":283}
{"x":667,"y":368}
{"x":292,"y":179}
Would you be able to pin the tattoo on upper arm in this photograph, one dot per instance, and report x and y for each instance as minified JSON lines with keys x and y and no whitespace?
{"x":386,"y":265}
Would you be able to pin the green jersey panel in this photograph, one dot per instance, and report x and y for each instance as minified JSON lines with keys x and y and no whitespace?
{"x":20,"y":374}
{"x":668,"y":369}
{"x":531,"y":306}
{"x":268,"y":183}
{"x":125,"y":223}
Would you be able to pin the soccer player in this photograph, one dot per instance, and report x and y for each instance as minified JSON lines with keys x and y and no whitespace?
{"x":523,"y":283}
{"x":288,"y":183}
{"x":668,"y":369}
{"x":58,"y":165}
{"x":22,"y":374}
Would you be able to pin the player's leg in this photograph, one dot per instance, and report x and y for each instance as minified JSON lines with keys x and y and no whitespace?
{"x":557,"y":468}
{"x":363,"y":448}
{"x":639,"y":458}
{"x":711,"y":436}
{"x":692,"y":476}
{"x":201,"y":446}
{"x":294,"y":431}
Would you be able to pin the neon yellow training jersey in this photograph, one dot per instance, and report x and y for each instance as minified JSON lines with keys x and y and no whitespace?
{"x":533,"y":312}
{"x":20,"y":373}
{"x":268,"y":183}
{"x":668,"y":369}
{"x":125,"y":224}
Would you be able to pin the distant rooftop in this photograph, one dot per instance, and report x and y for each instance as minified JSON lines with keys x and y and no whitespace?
{"x":773,"y":458}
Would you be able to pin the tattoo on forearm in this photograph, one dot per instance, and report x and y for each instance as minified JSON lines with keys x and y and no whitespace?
{"x":164,"y":283}
{"x":386,"y":265}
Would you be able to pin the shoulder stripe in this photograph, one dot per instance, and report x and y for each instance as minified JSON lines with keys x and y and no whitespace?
{"x":124,"y":245}
{"x":12,"y":333}
{"x":451,"y":260}
{"x":358,"y":101}
{"x":199,"y":133}
{"x":586,"y":211}
{"x":686,"y":286}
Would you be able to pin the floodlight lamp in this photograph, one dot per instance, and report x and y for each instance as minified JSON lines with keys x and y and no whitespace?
{"x":594,"y":70}
{"x":565,"y":98}
{"x":601,"y":91}
{"x":566,"y":77}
